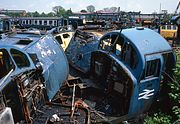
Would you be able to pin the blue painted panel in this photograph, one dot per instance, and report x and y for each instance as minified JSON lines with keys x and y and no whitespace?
{"x":146,"y":40}
{"x":79,"y":53}
{"x":53,"y":61}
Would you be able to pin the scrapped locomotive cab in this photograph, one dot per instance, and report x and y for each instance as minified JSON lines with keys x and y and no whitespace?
{"x":13,"y":62}
{"x":168,"y":31}
{"x":64,"y":39}
{"x":30,"y":74}
{"x":20,"y":85}
{"x":80,"y":48}
{"x":53,"y":61}
{"x":129,"y":65}
{"x":116,"y":80}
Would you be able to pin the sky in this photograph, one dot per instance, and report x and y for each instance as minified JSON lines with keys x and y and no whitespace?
{"x":145,"y":6}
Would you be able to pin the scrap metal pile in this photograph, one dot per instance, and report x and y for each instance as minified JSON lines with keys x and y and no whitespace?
{"x":109,"y":80}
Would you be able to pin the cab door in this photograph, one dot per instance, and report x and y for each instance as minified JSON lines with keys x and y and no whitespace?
{"x":150,"y":81}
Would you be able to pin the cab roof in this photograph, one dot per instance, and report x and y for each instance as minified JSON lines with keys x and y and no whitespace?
{"x":146,"y":40}
{"x":20,"y":40}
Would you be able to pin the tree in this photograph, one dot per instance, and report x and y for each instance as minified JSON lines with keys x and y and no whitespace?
{"x":59,"y":10}
{"x":56,"y":9}
{"x":83,"y":10}
{"x":13,"y":14}
{"x":43,"y":14}
{"x":29,"y":14}
{"x":51,"y":14}
{"x":35,"y":14}
{"x":68,"y":12}
{"x":90,"y":8}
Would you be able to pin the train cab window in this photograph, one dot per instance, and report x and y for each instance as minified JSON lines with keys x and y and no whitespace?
{"x":1,"y":25}
{"x":152,"y":68}
{"x":123,"y":50}
{"x":118,"y":49}
{"x":58,"y":38}
{"x":40,"y":22}
{"x":45,"y":22}
{"x":105,"y":42}
{"x":129,"y":55}
{"x":174,"y":27}
{"x":30,"y":22}
{"x":6,"y":64}
{"x":55,"y":23}
{"x":35,"y":22}
{"x":66,"y":35}
{"x":50,"y":22}
{"x":163,"y":27}
{"x":119,"y":45}
{"x":20,"y":58}
{"x":169,"y":27}
{"x":108,"y":41}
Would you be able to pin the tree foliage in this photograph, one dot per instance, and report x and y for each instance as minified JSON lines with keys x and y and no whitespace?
{"x":36,"y":14}
{"x":83,"y":10}
{"x":59,"y":11}
{"x":175,"y":91}
{"x":43,"y":14}
{"x":29,"y":14}
{"x":158,"y":118}
{"x":90,"y":8}
{"x":68,"y":13}
{"x":50,"y":14}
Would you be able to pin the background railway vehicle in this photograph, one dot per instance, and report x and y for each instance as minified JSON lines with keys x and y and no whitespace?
{"x":5,"y":24}
{"x":127,"y":69}
{"x":46,"y":23}
{"x":62,"y":35}
{"x":64,"y":38}
{"x":168,"y":31}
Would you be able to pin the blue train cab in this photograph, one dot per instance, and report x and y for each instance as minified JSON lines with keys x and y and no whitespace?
{"x":131,"y":64}
{"x":23,"y":47}
{"x":128,"y":67}
{"x":32,"y":70}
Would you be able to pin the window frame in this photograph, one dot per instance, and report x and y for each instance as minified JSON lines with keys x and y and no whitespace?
{"x":40,"y":22}
{"x":25,"y":58}
{"x":11,"y":63}
{"x":123,"y":42}
{"x":128,"y":48}
{"x":156,"y":70}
